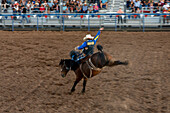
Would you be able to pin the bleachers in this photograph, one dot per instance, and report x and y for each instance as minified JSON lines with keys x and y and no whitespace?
{"x":103,"y":20}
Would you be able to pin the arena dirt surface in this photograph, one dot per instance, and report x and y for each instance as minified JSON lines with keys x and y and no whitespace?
{"x":30,"y":80}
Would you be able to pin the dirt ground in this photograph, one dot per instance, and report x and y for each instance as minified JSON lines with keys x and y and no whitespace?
{"x":30,"y":80}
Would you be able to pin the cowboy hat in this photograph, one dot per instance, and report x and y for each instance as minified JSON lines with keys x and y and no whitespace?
{"x":88,"y":36}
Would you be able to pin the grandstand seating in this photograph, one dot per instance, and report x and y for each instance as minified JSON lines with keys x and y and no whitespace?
{"x":104,"y":20}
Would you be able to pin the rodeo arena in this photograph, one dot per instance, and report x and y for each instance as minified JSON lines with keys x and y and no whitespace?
{"x":84,"y":56}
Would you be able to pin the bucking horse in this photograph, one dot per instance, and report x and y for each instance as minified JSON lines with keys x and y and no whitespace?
{"x":89,"y":67}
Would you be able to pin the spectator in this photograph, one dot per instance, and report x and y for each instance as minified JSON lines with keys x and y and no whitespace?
{"x":165,"y":6}
{"x":90,"y":9}
{"x":75,"y":5}
{"x":137,"y":4}
{"x":36,"y":8}
{"x":24,"y":11}
{"x":151,"y":8}
{"x":157,"y":10}
{"x":103,"y":3}
{"x":85,"y":8}
{"x":3,"y":4}
{"x":93,"y":1}
{"x":143,"y":3}
{"x":128,"y":3}
{"x":131,"y":5}
{"x":80,"y":2}
{"x":45,"y":4}
{"x":28,"y":5}
{"x":67,"y":10}
{"x":96,"y":8}
{"x":146,"y":3}
{"x":78,"y":8}
{"x":57,"y":2}
{"x":24,"y":2}
{"x":71,"y":6}
{"x":57,"y":8}
{"x":120,"y":16}
{"x":16,"y":3}
{"x":21,"y":3}
{"x":15,"y":9}
{"x":166,"y":17}
{"x":42,"y":8}
{"x":33,"y":1}
{"x":50,"y":5}
{"x":138,"y":11}
{"x":133,"y":10}
{"x":36,"y":3}
{"x":64,"y":8}
{"x":32,"y":6}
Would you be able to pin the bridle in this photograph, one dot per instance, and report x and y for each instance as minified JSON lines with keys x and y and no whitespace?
{"x":67,"y":68}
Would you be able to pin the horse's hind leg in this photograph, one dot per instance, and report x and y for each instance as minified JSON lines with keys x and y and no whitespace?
{"x":114,"y":63}
{"x":75,"y":83}
{"x":84,"y":85}
{"x":120,"y":63}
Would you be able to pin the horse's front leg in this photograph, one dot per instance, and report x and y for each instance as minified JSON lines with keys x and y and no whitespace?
{"x":84,"y":85}
{"x":75,"y":83}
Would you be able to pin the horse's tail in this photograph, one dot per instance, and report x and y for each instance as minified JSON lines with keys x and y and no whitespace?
{"x":100,"y":48}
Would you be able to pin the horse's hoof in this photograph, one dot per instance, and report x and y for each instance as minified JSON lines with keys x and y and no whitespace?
{"x":72,"y":90}
{"x":82,"y":92}
{"x":126,"y":62}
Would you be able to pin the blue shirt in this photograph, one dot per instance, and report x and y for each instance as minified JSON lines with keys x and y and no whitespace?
{"x":85,"y":8}
{"x":64,"y":8}
{"x":50,"y":4}
{"x":86,"y":43}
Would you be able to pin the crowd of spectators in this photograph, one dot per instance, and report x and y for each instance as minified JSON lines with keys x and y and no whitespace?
{"x":48,"y":6}
{"x":149,"y":6}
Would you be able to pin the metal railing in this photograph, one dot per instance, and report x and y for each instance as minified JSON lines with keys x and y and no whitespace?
{"x":62,"y":21}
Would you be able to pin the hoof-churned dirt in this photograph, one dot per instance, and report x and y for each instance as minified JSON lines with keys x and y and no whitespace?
{"x":30,"y":80}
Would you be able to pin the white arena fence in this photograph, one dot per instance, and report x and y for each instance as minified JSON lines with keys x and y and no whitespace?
{"x":62,"y":22}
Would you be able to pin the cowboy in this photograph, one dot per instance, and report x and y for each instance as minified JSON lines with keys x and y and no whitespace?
{"x":88,"y":46}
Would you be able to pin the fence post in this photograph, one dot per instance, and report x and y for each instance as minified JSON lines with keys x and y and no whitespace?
{"x":63,"y":22}
{"x":89,"y":23}
{"x":37,"y":22}
{"x":100,"y":21}
{"x":41,"y":21}
{"x":13,"y":24}
{"x":143,"y":23}
{"x":115,"y":24}
{"x":160,"y":20}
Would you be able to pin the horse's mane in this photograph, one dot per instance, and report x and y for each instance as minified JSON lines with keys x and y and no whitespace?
{"x":71,"y":63}
{"x":74,"y":65}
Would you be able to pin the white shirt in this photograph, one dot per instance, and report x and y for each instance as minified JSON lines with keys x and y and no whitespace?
{"x":137,"y":4}
{"x":166,"y":7}
{"x":16,"y":8}
{"x":28,"y":5}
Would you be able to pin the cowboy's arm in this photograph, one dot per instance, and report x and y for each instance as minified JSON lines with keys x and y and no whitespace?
{"x":82,"y":46}
{"x":97,"y":35}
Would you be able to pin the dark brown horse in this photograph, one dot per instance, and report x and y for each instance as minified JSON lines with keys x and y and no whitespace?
{"x":89,"y":67}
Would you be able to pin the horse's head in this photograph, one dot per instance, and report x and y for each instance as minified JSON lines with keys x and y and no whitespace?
{"x":65,"y":65}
